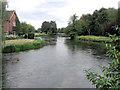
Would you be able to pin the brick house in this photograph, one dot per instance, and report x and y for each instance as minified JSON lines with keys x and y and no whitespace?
{"x":11,"y":21}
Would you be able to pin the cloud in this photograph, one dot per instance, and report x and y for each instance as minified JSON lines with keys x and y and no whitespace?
{"x":37,"y":11}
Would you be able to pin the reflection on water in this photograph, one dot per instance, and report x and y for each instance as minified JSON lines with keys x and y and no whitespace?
{"x":49,"y":40}
{"x":58,"y":64}
{"x":94,"y":48}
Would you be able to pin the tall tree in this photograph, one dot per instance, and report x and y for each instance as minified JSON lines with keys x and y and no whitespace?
{"x":45,"y":27}
{"x":88,"y":21}
{"x":27,"y":28}
{"x":71,"y":29}
{"x":53,"y":27}
{"x":50,"y":27}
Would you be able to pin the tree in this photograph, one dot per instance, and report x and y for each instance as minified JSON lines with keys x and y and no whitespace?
{"x":39,"y":30}
{"x":89,"y":22}
{"x":45,"y":27}
{"x":71,"y":29}
{"x":50,"y":27}
{"x":26,"y":28}
{"x":30,"y":28}
{"x":81,"y":28}
{"x":53,"y":27}
{"x":61,"y":30}
{"x":102,"y":19}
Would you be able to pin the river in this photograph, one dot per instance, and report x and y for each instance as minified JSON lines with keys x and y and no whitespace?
{"x":59,"y":64}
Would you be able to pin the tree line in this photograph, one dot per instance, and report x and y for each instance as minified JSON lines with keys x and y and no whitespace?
{"x":99,"y":23}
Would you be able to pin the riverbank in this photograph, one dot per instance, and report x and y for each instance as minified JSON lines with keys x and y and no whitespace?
{"x":94,"y":38}
{"x":62,"y":34}
{"x":22,"y":45}
{"x":41,"y":34}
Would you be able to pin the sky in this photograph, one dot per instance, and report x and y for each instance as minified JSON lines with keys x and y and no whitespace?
{"x":35,"y":12}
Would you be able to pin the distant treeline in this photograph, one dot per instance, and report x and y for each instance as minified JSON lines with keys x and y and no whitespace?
{"x":99,"y":23}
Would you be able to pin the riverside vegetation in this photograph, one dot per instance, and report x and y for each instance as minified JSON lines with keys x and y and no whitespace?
{"x":111,"y":73}
{"x":37,"y":43}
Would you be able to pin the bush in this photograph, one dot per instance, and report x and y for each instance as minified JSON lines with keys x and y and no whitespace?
{"x":31,"y":36}
{"x":25,"y":36}
{"x":9,"y":49}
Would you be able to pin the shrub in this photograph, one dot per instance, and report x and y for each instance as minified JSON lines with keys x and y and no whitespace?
{"x":25,"y":36}
{"x":31,"y":36}
{"x":9,"y":49}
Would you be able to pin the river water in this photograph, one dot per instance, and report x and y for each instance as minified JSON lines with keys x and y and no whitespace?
{"x":59,"y":64}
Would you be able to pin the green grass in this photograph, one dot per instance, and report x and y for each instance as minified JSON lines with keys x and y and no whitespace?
{"x":62,"y":34}
{"x":37,"y":43}
{"x":40,"y":34}
{"x":94,"y":38}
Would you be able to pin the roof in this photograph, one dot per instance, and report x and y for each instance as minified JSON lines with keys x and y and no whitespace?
{"x":9,"y":14}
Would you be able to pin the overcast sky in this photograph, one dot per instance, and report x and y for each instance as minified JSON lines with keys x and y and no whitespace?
{"x":36,"y":11}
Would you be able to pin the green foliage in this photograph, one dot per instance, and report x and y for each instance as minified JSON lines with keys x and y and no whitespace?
{"x":31,"y":36}
{"x":71,"y":30}
{"x":10,"y":48}
{"x":17,"y":27}
{"x":111,"y":73}
{"x":99,"y":23}
{"x":26,"y":28}
{"x":49,"y":27}
{"x":61,"y":30}
{"x":23,"y":47}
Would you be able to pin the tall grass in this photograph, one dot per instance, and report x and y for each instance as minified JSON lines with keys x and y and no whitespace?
{"x":23,"y":47}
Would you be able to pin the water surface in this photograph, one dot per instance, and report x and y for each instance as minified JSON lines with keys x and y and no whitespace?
{"x":59,"y":64}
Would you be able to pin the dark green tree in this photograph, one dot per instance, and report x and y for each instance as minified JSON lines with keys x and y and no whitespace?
{"x":50,"y":27}
{"x":45,"y":27}
{"x":71,"y":29}
{"x":53,"y":27}
{"x":89,"y":22}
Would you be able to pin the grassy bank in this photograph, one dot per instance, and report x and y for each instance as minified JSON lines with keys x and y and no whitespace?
{"x":41,"y":34}
{"x":37,"y":43}
{"x":94,"y":38}
{"x":62,"y":34}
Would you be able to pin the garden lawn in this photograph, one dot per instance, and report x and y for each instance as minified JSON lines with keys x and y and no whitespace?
{"x":94,"y":38}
